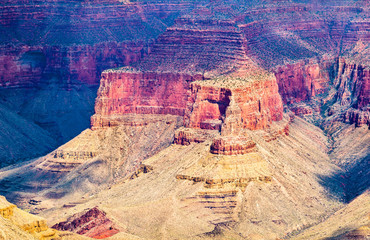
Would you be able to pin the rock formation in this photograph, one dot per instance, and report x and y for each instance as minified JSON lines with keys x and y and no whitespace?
{"x":212,"y":77}
{"x":16,"y":223}
{"x":255,"y":95}
{"x":92,"y":223}
{"x":232,"y":146}
{"x":54,"y":52}
{"x":122,"y":92}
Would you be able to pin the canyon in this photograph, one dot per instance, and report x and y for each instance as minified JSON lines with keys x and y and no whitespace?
{"x":184,"y":119}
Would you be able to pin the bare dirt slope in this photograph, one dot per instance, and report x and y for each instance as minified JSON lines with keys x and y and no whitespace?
{"x":282,"y":193}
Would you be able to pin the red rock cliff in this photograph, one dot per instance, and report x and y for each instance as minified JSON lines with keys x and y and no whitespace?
{"x":123,"y":92}
{"x":238,"y":101}
{"x":302,"y":81}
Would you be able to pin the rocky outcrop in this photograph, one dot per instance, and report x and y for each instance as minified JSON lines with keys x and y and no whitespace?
{"x":17,"y":224}
{"x":92,"y":223}
{"x":232,"y":145}
{"x":186,"y":136}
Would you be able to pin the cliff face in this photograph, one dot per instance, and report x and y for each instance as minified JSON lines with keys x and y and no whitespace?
{"x":339,"y":87}
{"x":123,"y":92}
{"x":231,"y":104}
{"x":303,"y":80}
{"x":353,"y":83}
{"x":203,"y":104}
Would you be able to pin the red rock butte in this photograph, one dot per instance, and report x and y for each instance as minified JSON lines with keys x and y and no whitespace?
{"x":199,"y":87}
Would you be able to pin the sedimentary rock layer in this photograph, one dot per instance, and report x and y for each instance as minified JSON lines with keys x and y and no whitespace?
{"x":235,"y":102}
{"x":125,"y":92}
{"x":303,"y":80}
{"x":232,"y":145}
{"x":207,"y":46}
{"x":92,"y":223}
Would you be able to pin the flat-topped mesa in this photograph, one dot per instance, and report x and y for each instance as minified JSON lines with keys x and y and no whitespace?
{"x":186,"y":52}
{"x":238,"y":101}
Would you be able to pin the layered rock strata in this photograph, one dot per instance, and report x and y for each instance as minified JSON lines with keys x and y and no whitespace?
{"x":131,"y":92}
{"x":202,"y":44}
{"x":92,"y":223}
{"x":240,"y":101}
{"x":232,"y":145}
{"x":337,"y":87}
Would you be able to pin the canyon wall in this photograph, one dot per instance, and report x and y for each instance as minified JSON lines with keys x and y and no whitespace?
{"x":277,"y":35}
{"x":25,"y":66}
{"x":303,"y":80}
{"x":339,"y":87}
{"x":53,"y":52}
